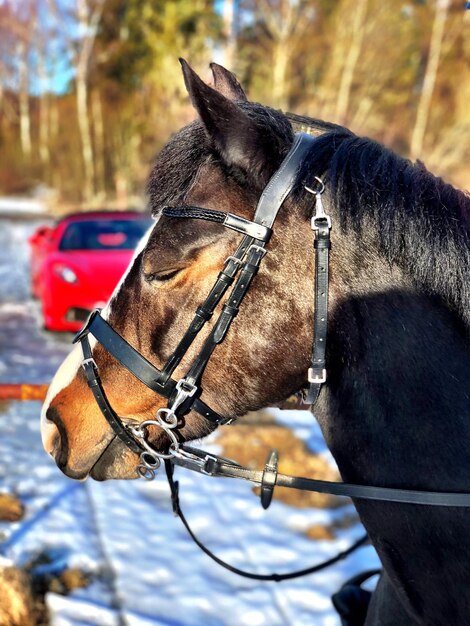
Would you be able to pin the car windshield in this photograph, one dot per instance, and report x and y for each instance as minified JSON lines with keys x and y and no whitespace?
{"x":104,"y":234}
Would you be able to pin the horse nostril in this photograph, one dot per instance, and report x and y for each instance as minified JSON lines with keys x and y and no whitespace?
{"x":56,"y":440}
{"x":51,"y":414}
{"x":55,"y":445}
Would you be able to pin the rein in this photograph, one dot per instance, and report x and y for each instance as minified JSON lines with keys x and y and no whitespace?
{"x":184,"y":395}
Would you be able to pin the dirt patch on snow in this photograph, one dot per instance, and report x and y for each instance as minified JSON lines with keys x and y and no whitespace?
{"x":17,"y":605}
{"x":249,"y":445}
{"x":11,"y":508}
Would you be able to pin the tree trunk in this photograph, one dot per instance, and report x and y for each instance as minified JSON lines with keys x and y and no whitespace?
{"x":88,"y":26}
{"x":424,"y":105}
{"x":280,"y":64}
{"x":98,"y":128}
{"x":282,"y":30}
{"x":350,"y":63}
{"x":85,"y":135}
{"x":228,"y":16}
{"x":25,"y":121}
{"x":44,"y":121}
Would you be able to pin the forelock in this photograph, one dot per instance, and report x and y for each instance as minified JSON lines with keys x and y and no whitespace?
{"x":178,"y":162}
{"x":176,"y":166}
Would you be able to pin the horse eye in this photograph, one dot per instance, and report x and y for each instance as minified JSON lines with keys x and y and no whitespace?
{"x":161,"y":277}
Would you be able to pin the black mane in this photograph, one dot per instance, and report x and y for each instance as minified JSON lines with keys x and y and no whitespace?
{"x":422,"y":223}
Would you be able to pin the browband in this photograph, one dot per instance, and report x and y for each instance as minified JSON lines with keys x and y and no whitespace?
{"x":234,"y":222}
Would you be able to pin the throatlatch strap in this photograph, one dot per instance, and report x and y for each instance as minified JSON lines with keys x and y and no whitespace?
{"x":317,"y":371}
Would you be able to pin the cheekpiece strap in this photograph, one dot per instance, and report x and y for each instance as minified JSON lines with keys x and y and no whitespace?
{"x":283,"y":181}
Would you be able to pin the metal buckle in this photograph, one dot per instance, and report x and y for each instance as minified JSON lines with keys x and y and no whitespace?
{"x":185,"y":387}
{"x":91,"y":361}
{"x":194,"y":462}
{"x":325,"y":217}
{"x":314,"y":224}
{"x":206,"y":460}
{"x":235,"y":260}
{"x":85,"y":329}
{"x":315,"y":378}
{"x":184,"y":390}
{"x":319,"y":209}
{"x":256,"y":247}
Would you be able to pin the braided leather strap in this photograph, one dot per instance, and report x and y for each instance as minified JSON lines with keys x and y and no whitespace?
{"x":194,"y":212}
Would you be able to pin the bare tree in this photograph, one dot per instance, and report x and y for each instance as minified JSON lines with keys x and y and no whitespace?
{"x":26,"y":15}
{"x":88,"y":21}
{"x":98,"y":126}
{"x":46,"y":61}
{"x":352,"y":56}
{"x":22,"y":51}
{"x":44,"y":99}
{"x":424,"y":105}
{"x":229,"y":21}
{"x":284,"y":23}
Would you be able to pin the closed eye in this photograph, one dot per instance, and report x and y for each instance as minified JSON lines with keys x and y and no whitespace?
{"x":162,"y":276}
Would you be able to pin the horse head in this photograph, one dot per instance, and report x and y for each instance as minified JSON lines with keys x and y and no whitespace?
{"x":395,"y":412}
{"x":222,"y":161}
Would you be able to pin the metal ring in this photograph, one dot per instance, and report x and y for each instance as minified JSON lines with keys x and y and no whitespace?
{"x":318,"y":191}
{"x":149,"y":460}
{"x":136,"y":431}
{"x":170,"y":419}
{"x":162,"y":455}
{"x":145,"y":472}
{"x":174,"y":449}
{"x":139,"y":431}
{"x":149,"y":448}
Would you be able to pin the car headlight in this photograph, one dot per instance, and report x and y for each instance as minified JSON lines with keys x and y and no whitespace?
{"x":66,"y":273}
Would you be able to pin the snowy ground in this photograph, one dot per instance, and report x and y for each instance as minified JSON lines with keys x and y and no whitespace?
{"x":144,"y":568}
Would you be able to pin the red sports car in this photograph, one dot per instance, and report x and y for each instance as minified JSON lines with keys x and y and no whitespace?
{"x":76,"y":265}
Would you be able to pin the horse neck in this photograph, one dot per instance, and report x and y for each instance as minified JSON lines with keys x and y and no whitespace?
{"x":396,"y":413}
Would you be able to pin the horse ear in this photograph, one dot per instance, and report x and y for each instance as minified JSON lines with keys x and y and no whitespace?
{"x":235,"y":136}
{"x":227,"y":84}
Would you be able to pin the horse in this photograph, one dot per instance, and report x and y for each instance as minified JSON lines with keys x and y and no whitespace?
{"x":395,"y":408}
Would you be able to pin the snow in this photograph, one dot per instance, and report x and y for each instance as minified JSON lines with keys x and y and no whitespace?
{"x":144,"y":568}
{"x":14,"y":206}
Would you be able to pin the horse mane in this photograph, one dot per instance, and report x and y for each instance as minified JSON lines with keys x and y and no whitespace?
{"x":422,"y":223}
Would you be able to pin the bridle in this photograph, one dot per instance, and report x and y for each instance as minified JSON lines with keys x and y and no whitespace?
{"x":239,"y":270}
{"x":184,"y":395}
